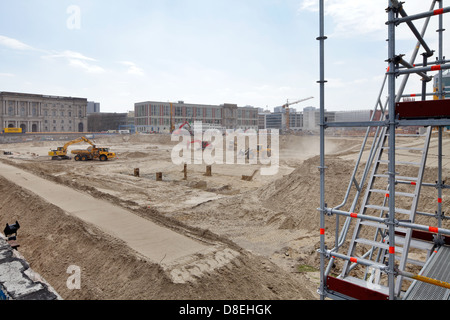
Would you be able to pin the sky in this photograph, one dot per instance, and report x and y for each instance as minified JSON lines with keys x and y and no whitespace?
{"x":260,"y":53}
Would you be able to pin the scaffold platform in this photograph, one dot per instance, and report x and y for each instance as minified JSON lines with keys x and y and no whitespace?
{"x":436,"y":268}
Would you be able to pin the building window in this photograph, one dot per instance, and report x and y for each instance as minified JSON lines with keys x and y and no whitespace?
{"x":10,"y":111}
{"x":138,"y":111}
{"x":199,"y":113}
{"x":155,"y":110}
{"x":189,"y":112}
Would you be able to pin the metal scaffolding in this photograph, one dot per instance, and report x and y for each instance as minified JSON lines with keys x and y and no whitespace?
{"x":390,"y":255}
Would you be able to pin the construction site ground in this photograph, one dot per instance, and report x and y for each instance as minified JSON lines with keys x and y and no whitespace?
{"x":207,"y":237}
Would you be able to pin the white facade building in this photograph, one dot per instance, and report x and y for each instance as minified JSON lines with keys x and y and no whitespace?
{"x":42,"y":113}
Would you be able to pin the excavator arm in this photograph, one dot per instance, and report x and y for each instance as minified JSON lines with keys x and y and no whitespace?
{"x":77,"y":141}
{"x":188,"y":127}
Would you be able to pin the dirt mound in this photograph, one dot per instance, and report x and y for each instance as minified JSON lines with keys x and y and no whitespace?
{"x":298,"y":193}
{"x":133,"y":155}
{"x":51,"y":241}
{"x":279,"y":220}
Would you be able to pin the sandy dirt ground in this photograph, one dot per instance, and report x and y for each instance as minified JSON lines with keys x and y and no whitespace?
{"x":267,"y":227}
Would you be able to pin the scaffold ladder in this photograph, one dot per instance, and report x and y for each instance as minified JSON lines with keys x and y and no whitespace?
{"x":376,"y":246}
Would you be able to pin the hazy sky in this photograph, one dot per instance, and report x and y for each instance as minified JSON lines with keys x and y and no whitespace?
{"x":248,"y":52}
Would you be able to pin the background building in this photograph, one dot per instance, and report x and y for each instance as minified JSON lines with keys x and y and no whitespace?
{"x":311,"y":118}
{"x":99,"y":122}
{"x":247,"y":118}
{"x":278,"y":120}
{"x":41,"y":113}
{"x":296,"y":121}
{"x":275,"y":121}
{"x":155,"y":116}
{"x":262,"y":116}
{"x":93,"y":107}
{"x":130,"y":123}
{"x":445,"y":85}
{"x":353,"y":115}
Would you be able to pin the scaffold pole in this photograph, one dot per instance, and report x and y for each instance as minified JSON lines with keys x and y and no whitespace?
{"x":322,"y":39}
{"x":391,"y":157}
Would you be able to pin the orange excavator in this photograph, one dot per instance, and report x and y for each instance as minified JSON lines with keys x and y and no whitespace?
{"x":186,"y":124}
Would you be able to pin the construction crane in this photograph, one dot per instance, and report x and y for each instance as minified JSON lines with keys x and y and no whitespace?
{"x":172,"y":124}
{"x":287,"y":108}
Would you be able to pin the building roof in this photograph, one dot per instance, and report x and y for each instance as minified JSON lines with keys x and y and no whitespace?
{"x":41,"y":96}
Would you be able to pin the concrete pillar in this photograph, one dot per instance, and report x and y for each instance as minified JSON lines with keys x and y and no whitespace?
{"x":208,"y":171}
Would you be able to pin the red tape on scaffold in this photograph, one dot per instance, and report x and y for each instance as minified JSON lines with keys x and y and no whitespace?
{"x":433,"y":229}
{"x":435,"y":68}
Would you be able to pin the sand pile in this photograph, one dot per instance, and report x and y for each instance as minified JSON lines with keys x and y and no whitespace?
{"x":279,"y":220}
{"x":282,"y":217}
{"x":52,"y":241}
{"x":298,"y":193}
{"x":133,"y":155}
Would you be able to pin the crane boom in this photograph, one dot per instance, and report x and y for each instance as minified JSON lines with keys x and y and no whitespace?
{"x":292,"y":103}
{"x":287,"y":105}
